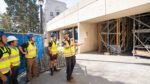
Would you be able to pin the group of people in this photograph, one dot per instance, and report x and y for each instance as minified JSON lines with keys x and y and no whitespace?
{"x":69,"y":53}
{"x":10,"y":59}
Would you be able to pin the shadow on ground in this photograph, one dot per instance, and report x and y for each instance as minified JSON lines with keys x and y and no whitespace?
{"x":79,"y":73}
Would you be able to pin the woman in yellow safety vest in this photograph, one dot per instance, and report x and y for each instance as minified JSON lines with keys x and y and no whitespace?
{"x":5,"y":70}
{"x":69,"y":53}
{"x":14,"y":58}
{"x":53,"y":53}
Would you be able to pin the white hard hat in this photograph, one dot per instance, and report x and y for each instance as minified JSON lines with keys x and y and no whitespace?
{"x":11,"y":38}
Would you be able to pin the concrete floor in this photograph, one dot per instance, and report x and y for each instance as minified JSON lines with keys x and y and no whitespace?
{"x":101,"y":69}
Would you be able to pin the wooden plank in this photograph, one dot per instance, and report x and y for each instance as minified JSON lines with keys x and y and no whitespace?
{"x":141,"y":53}
{"x":99,"y":35}
{"x":123,"y":33}
{"x":100,"y":44}
{"x":117,"y":36}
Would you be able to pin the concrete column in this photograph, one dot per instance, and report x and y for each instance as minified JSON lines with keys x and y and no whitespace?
{"x":73,"y":33}
{"x":48,"y":36}
{"x":61,"y":36}
{"x":89,"y":35}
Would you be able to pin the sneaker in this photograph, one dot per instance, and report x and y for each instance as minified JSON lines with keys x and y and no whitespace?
{"x":27,"y":81}
{"x":72,"y":77}
{"x":57,"y":69}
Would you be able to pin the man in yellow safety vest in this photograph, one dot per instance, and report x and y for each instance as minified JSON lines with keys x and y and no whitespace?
{"x":5,"y":70}
{"x":14,"y":58}
{"x":29,"y":50}
{"x":69,"y":53}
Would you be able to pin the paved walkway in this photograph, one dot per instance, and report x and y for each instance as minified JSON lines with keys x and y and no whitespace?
{"x":101,"y":69}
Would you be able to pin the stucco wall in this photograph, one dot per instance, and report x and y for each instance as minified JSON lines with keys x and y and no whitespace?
{"x":88,"y":35}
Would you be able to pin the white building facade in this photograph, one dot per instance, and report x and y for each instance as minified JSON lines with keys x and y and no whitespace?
{"x":87,"y":14}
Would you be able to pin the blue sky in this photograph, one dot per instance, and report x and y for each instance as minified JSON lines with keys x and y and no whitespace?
{"x":69,"y":3}
{"x":2,"y":6}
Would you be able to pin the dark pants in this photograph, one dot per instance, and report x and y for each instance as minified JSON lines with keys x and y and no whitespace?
{"x":70,"y":63}
{"x":8,"y":79}
{"x":15,"y":71}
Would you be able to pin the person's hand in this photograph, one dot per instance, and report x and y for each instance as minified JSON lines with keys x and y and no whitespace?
{"x":81,"y":43}
{"x":11,"y":65}
{"x":10,"y":72}
{"x":4,"y":78}
{"x":52,"y":55}
{"x":25,"y":53}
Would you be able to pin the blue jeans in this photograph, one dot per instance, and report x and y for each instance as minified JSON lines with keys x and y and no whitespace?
{"x":8,"y":79}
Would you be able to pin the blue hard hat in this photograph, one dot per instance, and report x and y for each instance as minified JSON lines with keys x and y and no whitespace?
{"x":30,"y":35}
{"x":53,"y":34}
{"x":2,"y":33}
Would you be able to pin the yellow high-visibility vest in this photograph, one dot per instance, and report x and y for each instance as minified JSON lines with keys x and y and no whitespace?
{"x":73,"y":50}
{"x":4,"y":61}
{"x":14,"y":56}
{"x":31,"y":49}
{"x":70,"y":51}
{"x":54,"y":49}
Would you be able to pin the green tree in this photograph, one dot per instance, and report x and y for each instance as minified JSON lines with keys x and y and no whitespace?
{"x":25,"y":14}
{"x":6,"y":22}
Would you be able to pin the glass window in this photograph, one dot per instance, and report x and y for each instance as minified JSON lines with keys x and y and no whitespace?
{"x":51,"y":14}
{"x":76,"y":33}
{"x":57,"y":13}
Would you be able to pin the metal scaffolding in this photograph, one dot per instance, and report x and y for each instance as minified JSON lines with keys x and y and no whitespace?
{"x":114,"y":35}
{"x":141,"y":35}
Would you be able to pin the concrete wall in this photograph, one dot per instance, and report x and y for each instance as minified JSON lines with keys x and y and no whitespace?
{"x":98,"y":10}
{"x":88,"y":35}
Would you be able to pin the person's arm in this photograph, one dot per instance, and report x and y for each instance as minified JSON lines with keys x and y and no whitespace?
{"x":21,"y":49}
{"x":36,"y":47}
{"x":78,"y":44}
{"x":10,"y":72}
{"x":3,"y":77}
{"x":36,"y":51}
{"x":49,"y":48}
{"x":67,"y":47}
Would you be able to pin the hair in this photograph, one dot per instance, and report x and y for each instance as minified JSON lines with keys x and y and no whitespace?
{"x":10,"y":42}
{"x":1,"y":39}
{"x":68,"y":35}
{"x":29,"y":38}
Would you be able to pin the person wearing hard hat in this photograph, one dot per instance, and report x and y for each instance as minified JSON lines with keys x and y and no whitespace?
{"x":29,"y":50}
{"x":14,"y":58}
{"x":53,"y":53}
{"x":5,"y":69}
{"x":69,"y":53}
